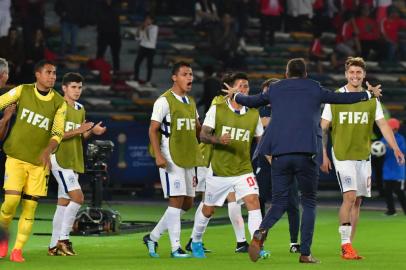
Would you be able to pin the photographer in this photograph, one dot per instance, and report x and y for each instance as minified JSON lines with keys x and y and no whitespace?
{"x":67,"y":162}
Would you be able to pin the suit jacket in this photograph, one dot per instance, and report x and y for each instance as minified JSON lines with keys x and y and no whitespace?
{"x":295,"y":105}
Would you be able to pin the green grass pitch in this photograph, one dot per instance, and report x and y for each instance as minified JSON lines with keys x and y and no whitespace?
{"x":379,"y":238}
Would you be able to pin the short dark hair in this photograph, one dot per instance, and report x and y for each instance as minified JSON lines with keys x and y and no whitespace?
{"x":40,"y":64}
{"x":230,"y":78}
{"x":296,"y":67}
{"x":178,"y":65}
{"x":72,"y":77}
{"x":268,"y":82}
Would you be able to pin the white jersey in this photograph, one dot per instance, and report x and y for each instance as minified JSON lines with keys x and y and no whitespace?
{"x":161,"y":114}
{"x":327,"y":114}
{"x":210,"y":120}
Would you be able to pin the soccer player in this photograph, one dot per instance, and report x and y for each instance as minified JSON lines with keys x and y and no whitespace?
{"x":172,"y":132}
{"x":231,"y":128}
{"x":234,"y":208}
{"x":351,"y":140}
{"x":40,"y":114}
{"x":9,"y":110}
{"x":67,"y":162}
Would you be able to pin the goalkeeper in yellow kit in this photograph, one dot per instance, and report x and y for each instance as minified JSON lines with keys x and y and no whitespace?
{"x":34,"y":136}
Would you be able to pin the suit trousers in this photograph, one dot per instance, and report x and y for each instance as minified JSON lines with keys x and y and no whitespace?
{"x":284,"y":169}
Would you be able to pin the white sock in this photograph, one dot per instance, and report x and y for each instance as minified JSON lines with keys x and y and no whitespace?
{"x":345,"y":232}
{"x":57,"y":225}
{"x":199,"y":227}
{"x":198,"y":210}
{"x":254,"y":220}
{"x":234,"y":213}
{"x":159,"y":228}
{"x":68,"y":219}
{"x":173,"y":221}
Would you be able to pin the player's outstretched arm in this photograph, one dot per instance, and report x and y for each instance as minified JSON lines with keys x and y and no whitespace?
{"x":390,"y":138}
{"x":325,"y":126}
{"x":207,"y":136}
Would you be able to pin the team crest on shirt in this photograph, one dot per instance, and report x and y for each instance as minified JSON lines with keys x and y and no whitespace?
{"x":176,"y":184}
{"x":347,"y":180}
{"x":71,"y":179}
{"x":209,"y":197}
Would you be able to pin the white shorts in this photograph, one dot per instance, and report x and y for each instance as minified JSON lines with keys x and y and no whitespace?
{"x":217,"y":188}
{"x":354,"y":175}
{"x":177,"y":181}
{"x":201,"y":179}
{"x":67,"y":179}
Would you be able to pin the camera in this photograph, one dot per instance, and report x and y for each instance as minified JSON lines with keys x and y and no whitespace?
{"x":97,"y":155}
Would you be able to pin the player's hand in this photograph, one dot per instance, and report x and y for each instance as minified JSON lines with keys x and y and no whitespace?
{"x":326,"y":166}
{"x":45,"y":159}
{"x":225,"y":139}
{"x":9,"y":111}
{"x":160,"y":161}
{"x":375,"y":90}
{"x":85,"y":126}
{"x":230,"y":91}
{"x":98,"y":129}
{"x":399,"y":156}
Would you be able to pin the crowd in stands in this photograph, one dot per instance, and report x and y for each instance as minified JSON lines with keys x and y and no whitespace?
{"x":367,"y":28}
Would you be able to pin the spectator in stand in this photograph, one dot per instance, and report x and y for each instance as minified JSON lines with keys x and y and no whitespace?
{"x":299,"y":15}
{"x":211,"y":88}
{"x":108,"y":31}
{"x":317,"y":53}
{"x":271,"y":13}
{"x":381,"y":9}
{"x":368,"y":34}
{"x":147,"y":34}
{"x":347,"y":42}
{"x":224,"y":43}
{"x":5,"y":17}
{"x":34,"y":52}
{"x":390,"y":27}
{"x":69,"y":11}
{"x":241,"y":13}
{"x":11,"y":47}
{"x":393,"y":173}
{"x":31,"y":13}
{"x":205,"y":14}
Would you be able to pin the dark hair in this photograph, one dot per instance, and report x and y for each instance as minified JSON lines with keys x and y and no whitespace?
{"x":149,"y":15}
{"x":72,"y":77}
{"x":230,"y":78}
{"x":40,"y":64}
{"x":178,"y":65}
{"x":268,"y":82}
{"x":296,"y":67}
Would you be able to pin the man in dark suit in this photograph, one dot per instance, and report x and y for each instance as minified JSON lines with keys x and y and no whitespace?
{"x":294,"y":142}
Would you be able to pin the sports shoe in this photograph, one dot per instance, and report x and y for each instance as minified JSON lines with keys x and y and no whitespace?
{"x":17,"y":256}
{"x":65,"y":248}
{"x":189,"y":247}
{"x":3,"y":248}
{"x":263,"y":254}
{"x":53,"y":251}
{"x":294,"y":248}
{"x":257,"y":243}
{"x":308,"y":259}
{"x":242,"y":247}
{"x":152,"y":246}
{"x":197,"y":250}
{"x":180,"y":254}
{"x":391,"y":213}
{"x":349,"y":253}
